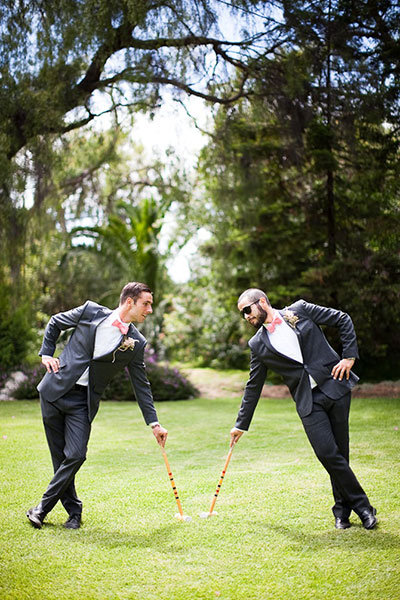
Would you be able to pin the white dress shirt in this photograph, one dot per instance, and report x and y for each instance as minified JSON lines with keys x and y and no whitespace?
{"x":284,"y":339}
{"x":107,"y":338}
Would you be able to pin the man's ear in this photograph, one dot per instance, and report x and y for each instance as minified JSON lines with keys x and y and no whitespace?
{"x":264,"y":303}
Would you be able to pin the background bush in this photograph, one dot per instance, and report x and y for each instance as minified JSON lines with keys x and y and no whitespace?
{"x":205,"y":331}
{"x":15,"y":335}
{"x":167,"y":383}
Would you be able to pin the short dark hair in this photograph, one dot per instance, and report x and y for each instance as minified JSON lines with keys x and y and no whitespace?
{"x":133,"y":289}
{"x":253,"y":294}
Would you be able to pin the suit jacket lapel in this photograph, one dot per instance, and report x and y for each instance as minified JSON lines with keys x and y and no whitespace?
{"x":101,"y":314}
{"x":265,"y":339}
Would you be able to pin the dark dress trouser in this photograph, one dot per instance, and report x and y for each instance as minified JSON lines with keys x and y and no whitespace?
{"x":67,"y":428}
{"x":327,"y":428}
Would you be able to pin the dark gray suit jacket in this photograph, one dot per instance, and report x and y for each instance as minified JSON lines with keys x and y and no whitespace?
{"x":318,"y":356}
{"x":78,"y":355}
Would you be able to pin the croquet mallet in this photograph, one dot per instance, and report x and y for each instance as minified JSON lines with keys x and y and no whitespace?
{"x":211,"y":512}
{"x":180,"y":516}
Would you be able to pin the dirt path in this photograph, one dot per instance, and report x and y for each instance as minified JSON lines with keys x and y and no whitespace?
{"x":217,"y":384}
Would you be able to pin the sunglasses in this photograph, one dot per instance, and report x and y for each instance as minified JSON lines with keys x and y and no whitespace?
{"x":247,"y":309}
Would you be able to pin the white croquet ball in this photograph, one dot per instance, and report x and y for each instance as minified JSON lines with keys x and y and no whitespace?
{"x":184,"y":518}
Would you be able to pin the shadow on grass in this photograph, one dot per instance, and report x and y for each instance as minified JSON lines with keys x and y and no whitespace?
{"x":356,"y":537}
{"x":109,"y":537}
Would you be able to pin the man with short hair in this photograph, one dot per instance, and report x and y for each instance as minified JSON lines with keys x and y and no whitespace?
{"x":291,"y":343}
{"x":102,"y":343}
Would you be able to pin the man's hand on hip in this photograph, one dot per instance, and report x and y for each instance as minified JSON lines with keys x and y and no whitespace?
{"x":343,"y":367}
{"x":236,"y":434}
{"x":51,"y":363}
{"x":160,"y":434}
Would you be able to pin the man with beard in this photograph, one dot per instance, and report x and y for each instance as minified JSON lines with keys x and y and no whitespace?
{"x":292,"y":344}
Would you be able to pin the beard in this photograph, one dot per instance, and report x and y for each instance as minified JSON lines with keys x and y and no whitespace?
{"x":259,"y":319}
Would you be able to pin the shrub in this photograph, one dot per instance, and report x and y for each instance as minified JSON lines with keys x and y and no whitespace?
{"x":15,"y":335}
{"x":166,"y":383}
{"x":27,"y":389}
{"x":3,"y":378}
{"x":203,"y":330}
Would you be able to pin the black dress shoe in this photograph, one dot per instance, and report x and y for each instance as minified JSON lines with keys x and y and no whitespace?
{"x":342,"y":523}
{"x":73,"y":522}
{"x":36,"y":516}
{"x":368,"y":518}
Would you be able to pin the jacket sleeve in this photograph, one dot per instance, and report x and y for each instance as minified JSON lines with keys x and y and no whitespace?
{"x":322,"y":315}
{"x":252,"y":392}
{"x":141,"y":386}
{"x":58,"y":323}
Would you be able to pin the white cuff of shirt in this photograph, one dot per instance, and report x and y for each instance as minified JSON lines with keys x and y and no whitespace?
{"x":237,"y":429}
{"x":153,"y":424}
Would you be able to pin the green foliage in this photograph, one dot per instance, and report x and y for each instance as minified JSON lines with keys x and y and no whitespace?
{"x":302,"y":182}
{"x":202,"y":330}
{"x":129,"y":241}
{"x":55,"y":58}
{"x":167,"y":383}
{"x":253,"y":203}
{"x":90,"y":179}
{"x":62,"y":65}
{"x":298,"y":186}
{"x":15,"y":334}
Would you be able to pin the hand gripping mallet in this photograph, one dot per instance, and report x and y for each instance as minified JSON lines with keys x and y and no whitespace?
{"x":211,"y":512}
{"x":180,"y":516}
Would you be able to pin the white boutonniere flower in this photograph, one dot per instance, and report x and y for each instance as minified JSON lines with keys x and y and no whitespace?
{"x":290,"y":317}
{"x":128,"y":343}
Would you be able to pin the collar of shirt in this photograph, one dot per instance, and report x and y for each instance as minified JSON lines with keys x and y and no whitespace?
{"x":112,"y":317}
{"x":275,"y":314}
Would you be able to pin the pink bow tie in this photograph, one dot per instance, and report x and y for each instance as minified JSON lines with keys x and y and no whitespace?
{"x":275,"y":321}
{"x":123,"y":327}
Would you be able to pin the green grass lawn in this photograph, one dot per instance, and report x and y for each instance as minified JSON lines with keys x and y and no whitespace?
{"x":273,"y":537}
